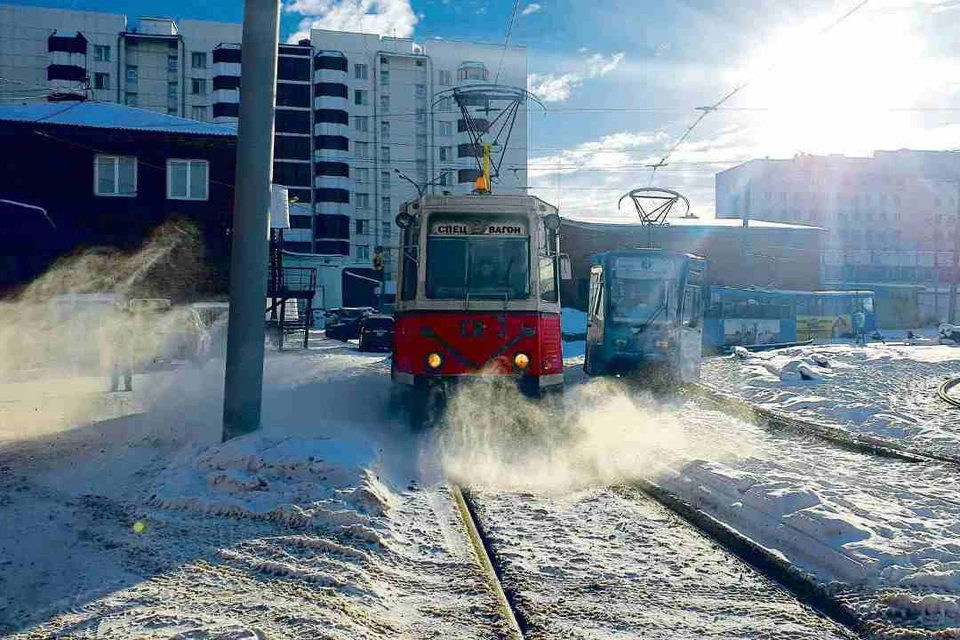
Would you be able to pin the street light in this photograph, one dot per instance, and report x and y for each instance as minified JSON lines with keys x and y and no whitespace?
{"x":421,"y":188}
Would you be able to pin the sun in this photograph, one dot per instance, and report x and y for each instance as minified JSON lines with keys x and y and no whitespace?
{"x":849,"y":91}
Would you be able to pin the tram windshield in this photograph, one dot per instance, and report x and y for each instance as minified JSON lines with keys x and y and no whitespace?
{"x":642,"y":290}
{"x":478,"y":267}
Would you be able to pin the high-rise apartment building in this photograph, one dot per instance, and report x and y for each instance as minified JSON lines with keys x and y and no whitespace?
{"x":353,"y":111}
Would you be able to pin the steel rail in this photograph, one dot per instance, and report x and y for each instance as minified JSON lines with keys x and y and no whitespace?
{"x":487,"y":559}
{"x":943,"y":392}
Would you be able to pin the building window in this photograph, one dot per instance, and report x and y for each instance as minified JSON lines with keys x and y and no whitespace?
{"x":115,"y":175}
{"x":198,"y":60}
{"x":472,"y":73}
{"x":363,"y":201}
{"x":198,"y":113}
{"x":446,"y":79}
{"x":198,"y":86}
{"x":386,"y":229}
{"x":360,"y":71}
{"x":361,"y":97}
{"x":421,"y":91}
{"x":101,"y":52}
{"x":363,"y":252}
{"x":385,"y":179}
{"x":171,"y":111}
{"x":133,"y":74}
{"x":172,"y":89}
{"x":421,"y":117}
{"x":384,"y":129}
{"x":101,"y":81}
{"x":445,"y":129}
{"x":361,"y":227}
{"x":385,"y":154}
{"x":187,"y":179}
{"x":445,"y":178}
{"x":385,"y":206}
{"x":444,"y":104}
{"x":132,"y":99}
{"x":293,"y":95}
{"x":362,"y":174}
{"x":384,"y":60}
{"x":384,"y":103}
{"x":362,"y":123}
{"x":361,"y":149}
{"x":384,"y":76}
{"x":419,"y":63}
{"x":172,"y":63}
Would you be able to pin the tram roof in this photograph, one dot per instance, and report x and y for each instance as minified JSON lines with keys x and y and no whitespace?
{"x":798,"y":292}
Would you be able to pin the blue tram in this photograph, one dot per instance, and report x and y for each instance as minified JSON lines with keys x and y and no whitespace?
{"x":645,"y":314}
{"x":753,"y":317}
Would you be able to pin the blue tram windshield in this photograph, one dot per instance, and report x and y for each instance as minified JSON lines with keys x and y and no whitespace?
{"x":478,"y":267}
{"x":634,"y":300}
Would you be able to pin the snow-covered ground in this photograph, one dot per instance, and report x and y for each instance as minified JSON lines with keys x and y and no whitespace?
{"x":881,"y":391}
{"x":140,"y":524}
{"x":597,"y":564}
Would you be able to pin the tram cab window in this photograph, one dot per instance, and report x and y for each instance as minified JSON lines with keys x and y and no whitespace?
{"x":478,"y":267}
{"x":867,"y":304}
{"x":408,"y":289}
{"x":691,"y":304}
{"x":548,"y":279}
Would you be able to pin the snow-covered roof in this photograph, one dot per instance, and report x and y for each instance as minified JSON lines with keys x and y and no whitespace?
{"x":624,"y":221}
{"x":108,"y":115}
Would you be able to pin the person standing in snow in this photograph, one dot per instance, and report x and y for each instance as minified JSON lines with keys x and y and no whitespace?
{"x":117,"y":347}
{"x":859,"y":320}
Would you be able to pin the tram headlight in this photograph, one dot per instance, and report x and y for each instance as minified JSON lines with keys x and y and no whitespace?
{"x":434,"y":360}
{"x":521,"y":360}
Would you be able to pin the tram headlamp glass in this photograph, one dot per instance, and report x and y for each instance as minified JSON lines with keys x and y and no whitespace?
{"x":434,"y":360}
{"x":521,"y":360}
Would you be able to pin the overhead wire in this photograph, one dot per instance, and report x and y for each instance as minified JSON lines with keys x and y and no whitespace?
{"x":506,"y":43}
{"x":740,"y":87}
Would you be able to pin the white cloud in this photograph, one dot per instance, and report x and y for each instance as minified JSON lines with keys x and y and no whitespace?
{"x":551,"y":87}
{"x":383,"y":17}
{"x":533,"y":7}
{"x":599,"y":66}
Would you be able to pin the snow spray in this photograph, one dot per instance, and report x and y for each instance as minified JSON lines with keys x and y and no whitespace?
{"x":596,"y":434}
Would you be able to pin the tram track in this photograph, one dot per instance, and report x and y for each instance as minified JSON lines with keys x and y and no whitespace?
{"x":943,"y":391}
{"x":778,"y":421}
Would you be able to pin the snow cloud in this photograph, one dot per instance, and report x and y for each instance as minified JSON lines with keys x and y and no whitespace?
{"x":533,"y":7}
{"x":383,"y":17}
{"x":551,"y":87}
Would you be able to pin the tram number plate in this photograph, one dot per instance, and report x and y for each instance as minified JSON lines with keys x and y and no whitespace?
{"x":472,"y":328}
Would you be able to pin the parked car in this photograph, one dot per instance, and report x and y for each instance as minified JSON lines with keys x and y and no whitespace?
{"x":344,"y":324}
{"x":376,"y":333}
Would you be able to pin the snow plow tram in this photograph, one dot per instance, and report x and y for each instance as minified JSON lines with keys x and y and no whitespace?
{"x":477,"y":293}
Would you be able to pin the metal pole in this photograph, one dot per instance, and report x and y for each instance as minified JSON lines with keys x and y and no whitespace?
{"x":248,"y":261}
{"x":956,"y":264}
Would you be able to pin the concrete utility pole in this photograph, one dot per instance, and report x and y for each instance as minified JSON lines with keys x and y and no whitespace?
{"x":248,"y":261}
{"x":952,"y":317}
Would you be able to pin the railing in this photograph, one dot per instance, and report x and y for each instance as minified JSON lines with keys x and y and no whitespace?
{"x":292,"y":280}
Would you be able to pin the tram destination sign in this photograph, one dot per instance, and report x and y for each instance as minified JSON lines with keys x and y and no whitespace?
{"x":643,"y":267}
{"x":478,"y":228}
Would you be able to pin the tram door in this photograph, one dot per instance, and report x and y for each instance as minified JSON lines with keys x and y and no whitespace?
{"x":595,"y":318}
{"x":691,"y":334}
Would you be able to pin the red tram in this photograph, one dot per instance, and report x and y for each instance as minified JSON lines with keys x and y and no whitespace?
{"x":478,"y":292}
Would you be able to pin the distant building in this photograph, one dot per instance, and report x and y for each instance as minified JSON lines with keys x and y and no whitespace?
{"x":892,"y":221}
{"x":86,"y":174}
{"x":765,"y":254}
{"x":351,"y":109}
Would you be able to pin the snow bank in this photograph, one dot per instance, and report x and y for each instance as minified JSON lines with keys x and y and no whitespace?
{"x":883,"y":391}
{"x":302,"y":483}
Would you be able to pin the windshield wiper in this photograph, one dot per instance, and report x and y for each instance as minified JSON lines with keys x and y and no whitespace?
{"x":466,"y":289}
{"x":506,"y":284}
{"x":653,"y":316}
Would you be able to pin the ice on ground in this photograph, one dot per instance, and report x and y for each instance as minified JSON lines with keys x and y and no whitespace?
{"x":882,"y":391}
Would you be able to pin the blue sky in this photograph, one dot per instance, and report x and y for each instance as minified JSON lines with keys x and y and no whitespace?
{"x":655,"y":62}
